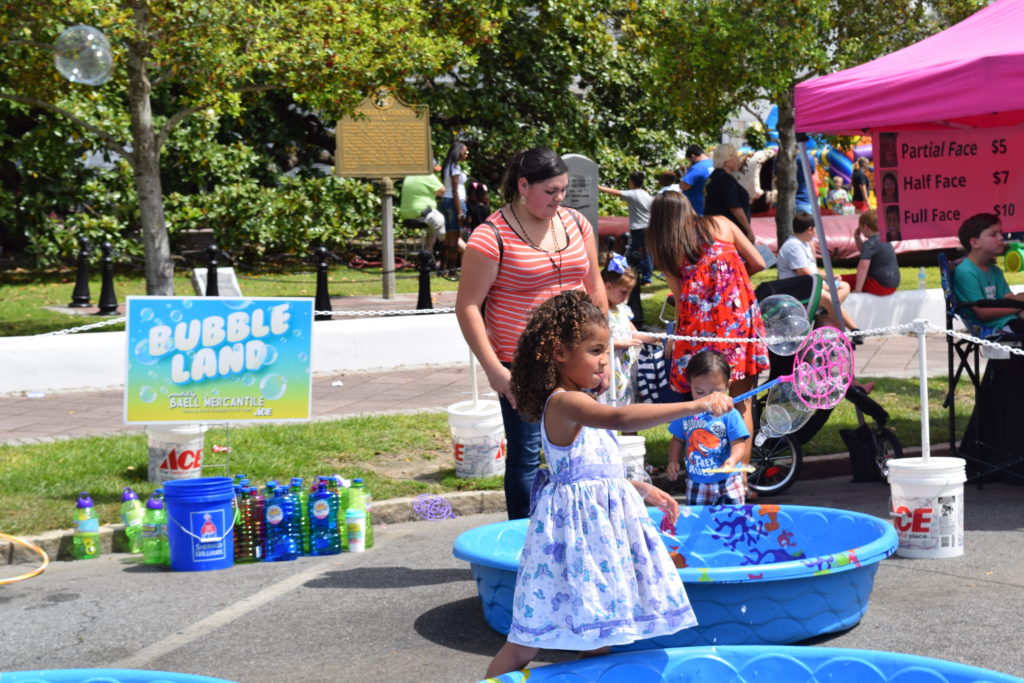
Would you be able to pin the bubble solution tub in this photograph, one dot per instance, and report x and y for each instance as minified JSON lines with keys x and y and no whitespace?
{"x":755,"y":574}
{"x":760,"y":664}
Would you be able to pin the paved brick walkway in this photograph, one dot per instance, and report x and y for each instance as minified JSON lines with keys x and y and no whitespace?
{"x":75,"y":414}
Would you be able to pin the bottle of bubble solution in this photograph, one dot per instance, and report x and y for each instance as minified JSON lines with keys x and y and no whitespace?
{"x":359,"y":499}
{"x":303,"y":502}
{"x":284,"y":530}
{"x":249,"y":529}
{"x":334,"y":485}
{"x":922,"y":278}
{"x":86,"y":539}
{"x":155,"y":547}
{"x":131,"y":514}
{"x":324,"y":535}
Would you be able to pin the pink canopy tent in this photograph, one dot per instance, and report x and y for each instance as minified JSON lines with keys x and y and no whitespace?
{"x":970,"y":75}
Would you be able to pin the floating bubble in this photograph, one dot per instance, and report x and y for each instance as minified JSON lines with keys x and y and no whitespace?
{"x":784,"y":412}
{"x":273,"y":386}
{"x":147,"y":394}
{"x":784,"y":317}
{"x":142,"y":353}
{"x":82,"y":55}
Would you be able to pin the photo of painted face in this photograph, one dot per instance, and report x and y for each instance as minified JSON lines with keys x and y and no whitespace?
{"x":890,"y":188}
{"x":892,"y":224}
{"x":887,"y":150}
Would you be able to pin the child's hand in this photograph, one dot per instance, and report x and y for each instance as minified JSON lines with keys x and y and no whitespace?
{"x":661,"y":500}
{"x":672,"y":470}
{"x":717,"y":404}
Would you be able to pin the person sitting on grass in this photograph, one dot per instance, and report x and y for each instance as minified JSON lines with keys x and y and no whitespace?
{"x":978,"y":278}
{"x":877,"y":270}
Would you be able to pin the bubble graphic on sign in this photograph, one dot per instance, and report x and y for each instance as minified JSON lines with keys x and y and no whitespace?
{"x":273,"y":387}
{"x":142,"y":353}
{"x":146,"y":314}
{"x":248,"y":379}
{"x":303,"y":357}
{"x":236,"y":304}
{"x":82,"y":55}
{"x":271,"y":355}
{"x":186,"y":303}
{"x":147,"y":394}
{"x":175,"y":316}
{"x":297,"y":333}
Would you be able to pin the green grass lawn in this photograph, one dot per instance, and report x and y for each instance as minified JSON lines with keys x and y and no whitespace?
{"x":41,"y":482}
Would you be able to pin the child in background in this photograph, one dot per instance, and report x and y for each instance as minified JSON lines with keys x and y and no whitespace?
{"x":878,"y":272}
{"x":709,"y":442}
{"x":478,"y":204}
{"x":978,"y":278}
{"x":593,"y":571}
{"x":838,"y":198}
{"x":619,"y":280}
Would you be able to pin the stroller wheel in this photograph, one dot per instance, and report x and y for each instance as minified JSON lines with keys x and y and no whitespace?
{"x":778,"y":465}
{"x":888,"y":446}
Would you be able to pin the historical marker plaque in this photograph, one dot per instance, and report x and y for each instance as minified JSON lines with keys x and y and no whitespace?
{"x":383,"y":138}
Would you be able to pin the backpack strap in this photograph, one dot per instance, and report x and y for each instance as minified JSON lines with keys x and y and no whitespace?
{"x":497,"y":237}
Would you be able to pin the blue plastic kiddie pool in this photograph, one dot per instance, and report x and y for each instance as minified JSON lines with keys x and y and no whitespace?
{"x":104,"y":676}
{"x":755,"y":574}
{"x":760,"y":664}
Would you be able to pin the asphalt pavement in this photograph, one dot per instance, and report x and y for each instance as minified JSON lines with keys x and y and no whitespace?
{"x":407,"y":610}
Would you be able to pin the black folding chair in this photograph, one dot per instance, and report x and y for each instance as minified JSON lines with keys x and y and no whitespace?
{"x":981,"y":444}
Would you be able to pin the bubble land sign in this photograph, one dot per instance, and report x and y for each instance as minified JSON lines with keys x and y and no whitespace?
{"x":206,"y":359}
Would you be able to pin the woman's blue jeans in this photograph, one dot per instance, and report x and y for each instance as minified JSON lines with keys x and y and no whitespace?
{"x":522,"y":459}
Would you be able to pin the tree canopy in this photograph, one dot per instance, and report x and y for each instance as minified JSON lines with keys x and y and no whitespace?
{"x":177,"y":58}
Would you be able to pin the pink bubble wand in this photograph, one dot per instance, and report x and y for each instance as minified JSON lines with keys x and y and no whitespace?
{"x":822,"y":370}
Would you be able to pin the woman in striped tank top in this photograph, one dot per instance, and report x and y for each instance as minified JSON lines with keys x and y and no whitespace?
{"x":527,"y":251}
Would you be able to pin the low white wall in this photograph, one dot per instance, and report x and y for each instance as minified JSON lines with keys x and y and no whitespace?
{"x":905,"y":306}
{"x":97,"y":360}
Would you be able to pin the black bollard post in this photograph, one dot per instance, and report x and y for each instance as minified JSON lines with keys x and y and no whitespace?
{"x":633,"y":257}
{"x":423,"y":301}
{"x":80,"y":298}
{"x":108,"y":299}
{"x":323,"y":298}
{"x":212,"y":288}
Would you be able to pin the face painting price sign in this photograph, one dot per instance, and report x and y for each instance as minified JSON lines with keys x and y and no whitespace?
{"x":929,"y":182}
{"x":211,"y":359}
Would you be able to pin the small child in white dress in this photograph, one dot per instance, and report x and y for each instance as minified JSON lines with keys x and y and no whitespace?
{"x":619,"y":281}
{"x":594,"y":571}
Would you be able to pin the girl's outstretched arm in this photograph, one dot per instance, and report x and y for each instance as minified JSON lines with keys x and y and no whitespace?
{"x":569,"y":409}
{"x":652,"y":495}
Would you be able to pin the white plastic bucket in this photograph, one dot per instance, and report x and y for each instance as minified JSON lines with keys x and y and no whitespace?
{"x":927,"y":506}
{"x":175,"y":452}
{"x":633,"y":449}
{"x":478,"y":438}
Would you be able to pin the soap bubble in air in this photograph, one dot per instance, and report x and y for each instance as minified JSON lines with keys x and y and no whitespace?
{"x":82,"y":55}
{"x":784,"y":317}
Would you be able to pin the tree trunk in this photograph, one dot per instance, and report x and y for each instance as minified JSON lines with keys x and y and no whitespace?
{"x":146,"y":167}
{"x":785,"y":170}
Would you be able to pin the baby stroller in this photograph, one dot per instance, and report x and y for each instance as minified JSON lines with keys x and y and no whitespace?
{"x":778,"y":460}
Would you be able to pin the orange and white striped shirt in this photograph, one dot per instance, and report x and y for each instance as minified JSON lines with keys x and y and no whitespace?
{"x":527,"y":277}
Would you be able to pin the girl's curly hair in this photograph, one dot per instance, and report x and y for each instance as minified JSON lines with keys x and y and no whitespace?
{"x":564,"y":319}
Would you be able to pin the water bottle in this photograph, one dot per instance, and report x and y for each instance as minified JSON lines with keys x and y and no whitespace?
{"x":86,"y":539}
{"x":922,"y":278}
{"x":269,"y":488}
{"x":155,"y":548}
{"x":284,"y":530}
{"x":359,"y":499}
{"x":324,"y":535}
{"x":131,"y":514}
{"x":333,"y":483}
{"x":250,"y":533}
{"x":303,"y":502}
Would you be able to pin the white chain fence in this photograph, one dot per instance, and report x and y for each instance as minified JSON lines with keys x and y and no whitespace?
{"x":917,"y":327}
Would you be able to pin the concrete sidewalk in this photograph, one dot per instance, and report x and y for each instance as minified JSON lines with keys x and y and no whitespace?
{"x":35,"y":418}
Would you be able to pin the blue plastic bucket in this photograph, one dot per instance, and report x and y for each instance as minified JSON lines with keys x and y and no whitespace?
{"x":200,"y":523}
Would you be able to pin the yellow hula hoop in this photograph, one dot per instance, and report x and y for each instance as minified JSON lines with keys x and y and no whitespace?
{"x":31,"y":546}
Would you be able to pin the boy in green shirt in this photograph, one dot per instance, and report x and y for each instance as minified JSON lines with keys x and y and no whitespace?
{"x":978,"y":277}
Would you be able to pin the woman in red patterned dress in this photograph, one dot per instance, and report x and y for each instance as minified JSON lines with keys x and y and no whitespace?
{"x":708,"y":261}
